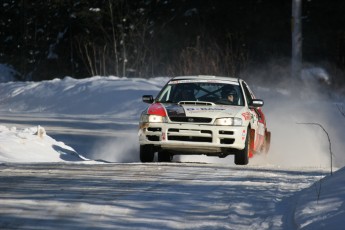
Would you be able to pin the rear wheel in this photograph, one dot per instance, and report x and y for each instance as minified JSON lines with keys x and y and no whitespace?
{"x":242,"y":156}
{"x":164,"y":156}
{"x":146,"y":153}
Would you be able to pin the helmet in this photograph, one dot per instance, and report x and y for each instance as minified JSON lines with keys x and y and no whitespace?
{"x":229,"y":90}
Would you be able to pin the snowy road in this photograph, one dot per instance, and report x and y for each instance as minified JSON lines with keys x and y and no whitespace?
{"x":132,"y":195}
{"x":149,"y":196}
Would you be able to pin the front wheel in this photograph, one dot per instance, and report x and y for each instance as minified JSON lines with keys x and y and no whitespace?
{"x":242,"y":156}
{"x":164,"y":156}
{"x":146,"y":153}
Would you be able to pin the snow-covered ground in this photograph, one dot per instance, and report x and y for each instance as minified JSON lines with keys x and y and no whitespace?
{"x":93,"y":121}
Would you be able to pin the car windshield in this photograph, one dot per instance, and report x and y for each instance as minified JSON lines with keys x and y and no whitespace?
{"x":218,"y":92}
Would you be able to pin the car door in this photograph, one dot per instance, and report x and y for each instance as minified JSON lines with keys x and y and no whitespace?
{"x":249,"y":97}
{"x":257,"y":121}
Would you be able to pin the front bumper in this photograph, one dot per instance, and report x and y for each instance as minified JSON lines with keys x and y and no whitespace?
{"x":192,"y":138}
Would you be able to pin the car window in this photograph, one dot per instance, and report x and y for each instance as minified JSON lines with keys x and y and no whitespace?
{"x":218,"y":92}
{"x":247,"y":93}
{"x":164,"y":94}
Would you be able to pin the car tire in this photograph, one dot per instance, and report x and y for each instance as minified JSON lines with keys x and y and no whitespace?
{"x":164,"y":156}
{"x":146,"y":153}
{"x":242,"y":156}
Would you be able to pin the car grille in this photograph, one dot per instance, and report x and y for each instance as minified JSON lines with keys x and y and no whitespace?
{"x":180,"y":135}
{"x":225,"y":137}
{"x":191,"y":119}
{"x":227,"y":141}
{"x":189,"y":138}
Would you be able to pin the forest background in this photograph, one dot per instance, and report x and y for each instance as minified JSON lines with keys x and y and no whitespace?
{"x":43,"y":40}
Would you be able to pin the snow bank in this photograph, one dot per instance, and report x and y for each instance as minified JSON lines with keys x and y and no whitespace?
{"x":99,"y":96}
{"x":322,"y":206}
{"x":95,"y":95}
{"x":33,"y":145}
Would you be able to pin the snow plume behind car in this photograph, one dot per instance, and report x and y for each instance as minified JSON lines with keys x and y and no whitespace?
{"x":296,"y":144}
{"x":118,"y":149}
{"x":290,"y":102}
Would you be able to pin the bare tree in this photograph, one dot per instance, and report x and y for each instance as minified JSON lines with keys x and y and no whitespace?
{"x":206,"y":56}
{"x":341,"y":110}
{"x":329,"y":141}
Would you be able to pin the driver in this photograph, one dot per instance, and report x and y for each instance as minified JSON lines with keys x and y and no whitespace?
{"x":230,"y":94}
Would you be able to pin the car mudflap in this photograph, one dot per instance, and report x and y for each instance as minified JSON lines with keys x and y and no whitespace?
{"x":252,"y":141}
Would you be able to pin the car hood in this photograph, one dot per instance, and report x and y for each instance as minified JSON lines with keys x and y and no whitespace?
{"x":211,"y":111}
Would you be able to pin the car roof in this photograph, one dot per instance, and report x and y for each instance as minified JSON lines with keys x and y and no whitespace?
{"x":206,"y":77}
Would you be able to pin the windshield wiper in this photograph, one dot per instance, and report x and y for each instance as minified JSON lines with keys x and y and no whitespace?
{"x":223,"y":103}
{"x":168,"y":101}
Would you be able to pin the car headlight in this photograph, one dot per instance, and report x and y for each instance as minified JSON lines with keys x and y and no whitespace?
{"x":233,"y":121}
{"x":147,"y":118}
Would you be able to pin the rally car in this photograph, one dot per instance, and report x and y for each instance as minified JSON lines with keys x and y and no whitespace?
{"x":210,"y":115}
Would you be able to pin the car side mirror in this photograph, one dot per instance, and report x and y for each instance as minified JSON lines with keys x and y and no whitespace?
{"x":148,"y":99}
{"x":256,"y":103}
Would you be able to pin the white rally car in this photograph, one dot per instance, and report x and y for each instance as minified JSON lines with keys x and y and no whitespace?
{"x":214,"y":116}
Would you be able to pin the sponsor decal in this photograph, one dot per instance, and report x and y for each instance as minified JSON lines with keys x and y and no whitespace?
{"x":247,"y":116}
{"x":244,"y":133}
{"x":192,"y":110}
